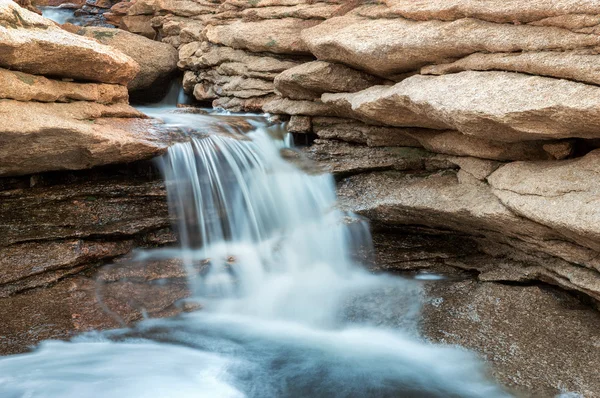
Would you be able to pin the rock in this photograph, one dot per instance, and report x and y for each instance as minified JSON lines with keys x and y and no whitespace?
{"x":342,"y":159}
{"x":454,"y":143}
{"x":300,"y":124}
{"x":307,"y":108}
{"x":357,"y":132}
{"x":559,"y":64}
{"x":33,"y":44}
{"x":489,"y":10}
{"x":561,"y":195}
{"x":520,"y":331}
{"x":309,"y":80}
{"x":138,"y":24}
{"x":280,"y":36}
{"x":524,"y":107}
{"x":39,"y":137}
{"x":158,"y":61}
{"x":389,"y":47}
{"x":25,"y":87}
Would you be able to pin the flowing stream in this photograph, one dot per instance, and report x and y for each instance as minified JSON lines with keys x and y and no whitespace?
{"x":287,"y":310}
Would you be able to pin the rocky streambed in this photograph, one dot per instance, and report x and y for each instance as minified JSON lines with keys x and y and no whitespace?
{"x":465,"y":131}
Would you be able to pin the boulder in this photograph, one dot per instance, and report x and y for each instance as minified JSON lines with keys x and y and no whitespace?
{"x":564,"y":196}
{"x":389,"y":47}
{"x":523,"y":107}
{"x":36,"y":137}
{"x":560,"y":64}
{"x":309,"y":80}
{"x":158,"y":61}
{"x":33,"y":44}
{"x":280,"y":36}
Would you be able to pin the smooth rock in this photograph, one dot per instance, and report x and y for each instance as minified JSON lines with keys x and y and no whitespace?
{"x":563,"y":195}
{"x":25,"y":87}
{"x":309,"y":80}
{"x":389,"y":47}
{"x":280,"y":36}
{"x":158,"y":61}
{"x":523,"y":107}
{"x":33,"y":44}
{"x":36,"y":137}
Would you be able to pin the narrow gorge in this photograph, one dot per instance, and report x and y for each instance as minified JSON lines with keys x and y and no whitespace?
{"x":294,"y":198}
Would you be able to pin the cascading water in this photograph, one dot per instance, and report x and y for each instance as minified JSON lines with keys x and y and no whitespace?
{"x":286,"y":311}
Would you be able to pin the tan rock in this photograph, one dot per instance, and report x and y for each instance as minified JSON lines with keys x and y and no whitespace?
{"x":560,"y":64}
{"x":309,"y":80}
{"x":388,"y":47}
{"x":25,"y":87}
{"x":562,"y":195}
{"x":37,"y":137}
{"x":507,"y":11}
{"x":284,"y":106}
{"x":33,"y":44}
{"x":454,"y":143}
{"x":523,"y":107}
{"x":281,"y":36}
{"x":357,"y":132}
{"x":300,"y":124}
{"x":138,"y":24}
{"x":158,"y":61}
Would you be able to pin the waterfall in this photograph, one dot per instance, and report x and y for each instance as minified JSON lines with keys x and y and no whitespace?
{"x":287,"y":310}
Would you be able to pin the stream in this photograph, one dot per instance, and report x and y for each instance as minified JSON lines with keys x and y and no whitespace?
{"x":287,"y":311}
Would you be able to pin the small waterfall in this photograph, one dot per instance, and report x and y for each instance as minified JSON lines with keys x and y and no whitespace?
{"x":287,"y":312}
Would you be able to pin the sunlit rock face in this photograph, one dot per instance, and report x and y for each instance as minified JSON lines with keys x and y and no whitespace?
{"x":64,"y":100}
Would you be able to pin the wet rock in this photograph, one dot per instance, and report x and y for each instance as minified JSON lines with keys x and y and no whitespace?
{"x":158,"y":61}
{"x":538,"y":340}
{"x":33,"y":44}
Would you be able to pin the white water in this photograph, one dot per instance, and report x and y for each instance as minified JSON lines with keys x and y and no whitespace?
{"x":59,"y":15}
{"x":287,"y":312}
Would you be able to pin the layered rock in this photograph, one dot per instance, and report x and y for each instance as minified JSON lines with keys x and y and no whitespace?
{"x":51,"y":124}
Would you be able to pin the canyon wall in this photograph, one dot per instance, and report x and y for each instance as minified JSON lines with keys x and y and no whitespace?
{"x":477,"y":118}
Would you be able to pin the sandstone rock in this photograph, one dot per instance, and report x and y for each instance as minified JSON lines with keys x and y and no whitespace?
{"x":309,"y":80}
{"x":300,"y":124}
{"x":559,"y":64}
{"x":138,"y":24}
{"x":37,"y":137}
{"x":562,"y":195}
{"x":454,"y":143}
{"x":510,"y":11}
{"x":388,"y":47}
{"x":280,"y":36}
{"x":33,"y":44}
{"x":25,"y":87}
{"x":524,"y":107}
{"x":357,"y":132}
{"x":342,"y":159}
{"x":307,"y":108}
{"x":158,"y":61}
